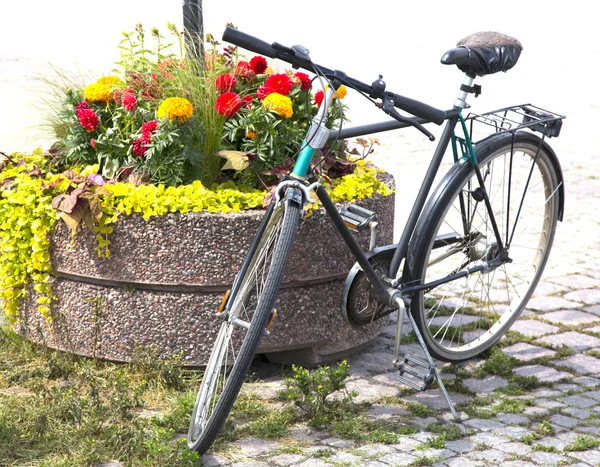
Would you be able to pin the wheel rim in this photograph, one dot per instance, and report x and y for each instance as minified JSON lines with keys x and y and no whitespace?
{"x":231,"y":335}
{"x":466,"y":316}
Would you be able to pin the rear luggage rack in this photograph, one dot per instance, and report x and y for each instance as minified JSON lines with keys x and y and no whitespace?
{"x":510,"y":119}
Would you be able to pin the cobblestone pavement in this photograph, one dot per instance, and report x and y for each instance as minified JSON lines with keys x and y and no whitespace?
{"x":556,"y":422}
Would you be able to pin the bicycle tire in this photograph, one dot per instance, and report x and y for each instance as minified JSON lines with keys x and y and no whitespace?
{"x":461,"y":319}
{"x":253,"y":302}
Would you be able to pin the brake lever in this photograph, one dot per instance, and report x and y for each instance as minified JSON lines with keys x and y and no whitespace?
{"x":389,"y":108}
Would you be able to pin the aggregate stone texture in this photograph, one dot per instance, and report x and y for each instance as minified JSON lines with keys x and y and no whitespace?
{"x":574,"y":340}
{"x":167,"y":276}
{"x":526,"y":352}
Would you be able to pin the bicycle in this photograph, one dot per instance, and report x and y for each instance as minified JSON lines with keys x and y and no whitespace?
{"x":471,"y":252}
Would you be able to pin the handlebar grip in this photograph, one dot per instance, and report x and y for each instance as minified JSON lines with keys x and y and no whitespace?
{"x":249,"y":42}
{"x":419,"y":109}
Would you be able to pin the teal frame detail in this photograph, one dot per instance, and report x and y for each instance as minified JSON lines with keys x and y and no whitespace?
{"x":303,"y":162}
{"x":467,"y":140}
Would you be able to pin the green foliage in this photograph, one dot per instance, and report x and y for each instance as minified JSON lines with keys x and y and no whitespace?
{"x":582,"y":443}
{"x":310,"y":390}
{"x":85,"y":412}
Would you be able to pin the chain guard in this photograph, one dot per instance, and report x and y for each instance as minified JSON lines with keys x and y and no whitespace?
{"x":359,"y":306}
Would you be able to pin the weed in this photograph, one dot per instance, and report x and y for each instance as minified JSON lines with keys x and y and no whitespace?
{"x":582,"y":443}
{"x":542,"y":448}
{"x":421,"y":410}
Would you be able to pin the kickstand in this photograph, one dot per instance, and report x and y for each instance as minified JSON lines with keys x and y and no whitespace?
{"x":407,"y":366}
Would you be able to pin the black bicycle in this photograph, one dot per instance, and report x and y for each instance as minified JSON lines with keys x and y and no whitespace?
{"x":470,"y":255}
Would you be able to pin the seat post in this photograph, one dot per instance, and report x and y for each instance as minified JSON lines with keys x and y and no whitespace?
{"x":461,"y":100}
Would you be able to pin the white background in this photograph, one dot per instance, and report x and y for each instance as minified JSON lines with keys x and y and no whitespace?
{"x":402,"y":40}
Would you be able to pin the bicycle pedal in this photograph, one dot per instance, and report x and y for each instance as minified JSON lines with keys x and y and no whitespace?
{"x":417,"y":379}
{"x":357,"y":218}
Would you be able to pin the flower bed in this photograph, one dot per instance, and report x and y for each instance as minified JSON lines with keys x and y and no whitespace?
{"x":166,"y":277}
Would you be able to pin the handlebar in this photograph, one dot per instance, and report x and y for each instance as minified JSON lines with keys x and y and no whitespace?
{"x":298,"y":59}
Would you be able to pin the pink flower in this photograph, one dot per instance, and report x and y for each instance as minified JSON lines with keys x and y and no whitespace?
{"x":129,"y":102}
{"x":88,"y":119}
{"x":140,"y":145}
{"x":93,"y":143}
{"x":244,"y":70}
{"x":149,"y":127}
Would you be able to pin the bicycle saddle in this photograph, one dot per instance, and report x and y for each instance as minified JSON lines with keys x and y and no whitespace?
{"x":484,"y":53}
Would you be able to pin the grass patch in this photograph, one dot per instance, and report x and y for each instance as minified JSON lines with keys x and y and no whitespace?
{"x":360,"y":428}
{"x":582,"y":443}
{"x":421,"y":410}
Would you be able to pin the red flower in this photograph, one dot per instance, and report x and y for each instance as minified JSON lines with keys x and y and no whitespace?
{"x":304,"y":80}
{"x":129,"y":101}
{"x":88,"y":119}
{"x":246,"y":100}
{"x":149,"y":127}
{"x":263,"y":92}
{"x":244,"y":70}
{"x":93,"y":143}
{"x":280,"y":83}
{"x":228,"y":104}
{"x":140,"y":145}
{"x":258,"y":64}
{"x":225,"y":83}
{"x":319,"y":98}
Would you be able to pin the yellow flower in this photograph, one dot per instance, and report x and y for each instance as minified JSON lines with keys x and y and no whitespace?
{"x":176,"y":108}
{"x":279,"y":104}
{"x":269,"y":71}
{"x":109,"y":80}
{"x":98,"y":92}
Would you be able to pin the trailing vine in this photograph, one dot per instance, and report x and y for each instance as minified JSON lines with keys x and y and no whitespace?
{"x":27,"y":190}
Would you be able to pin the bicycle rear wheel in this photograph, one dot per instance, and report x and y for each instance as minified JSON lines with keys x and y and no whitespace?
{"x":246,"y":317}
{"x":464,"y":317}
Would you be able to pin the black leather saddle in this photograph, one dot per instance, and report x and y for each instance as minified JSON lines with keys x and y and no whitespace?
{"x":484,"y":53}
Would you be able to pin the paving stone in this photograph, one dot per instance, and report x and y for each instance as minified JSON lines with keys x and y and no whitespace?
{"x":397,"y":459}
{"x":375,"y":464}
{"x":512,"y":432}
{"x":345,"y":457}
{"x":369,"y":391}
{"x":574,"y":340}
{"x":375,"y":450}
{"x":526,"y":352}
{"x":314,"y":463}
{"x":250,"y":464}
{"x":550,"y":304}
{"x":548,"y":404}
{"x":577,"y":413}
{"x":407,"y":444}
{"x":564,"y":421}
{"x":587,"y":381}
{"x":365,"y":363}
{"x":460,"y":445}
{"x":385,"y":412}
{"x":542,"y":373}
{"x":558,"y":442}
{"x":483,"y":424}
{"x":575,"y":281}
{"x":463,"y":462}
{"x":285,"y":460}
{"x":583,"y":364}
{"x":512,"y":418}
{"x":518,"y":463}
{"x":339,"y":443}
{"x":533,"y":328}
{"x":438,"y":454}
{"x":520,"y":449}
{"x":579,"y":402}
{"x":531,"y":411}
{"x":213,"y":460}
{"x":485,"y":385}
{"x":595,"y":329}
{"x":587,"y":296}
{"x":255,"y":447}
{"x":566,"y":387}
{"x":570,"y":317}
{"x":306,"y":434}
{"x":593,"y":309}
{"x":591,"y":457}
{"x":546,"y":392}
{"x":594,"y":395}
{"x":436,"y":400}
{"x":489,"y":455}
{"x":547,"y":458}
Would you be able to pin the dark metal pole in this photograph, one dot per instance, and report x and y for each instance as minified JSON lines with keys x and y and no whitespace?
{"x":194,"y":28}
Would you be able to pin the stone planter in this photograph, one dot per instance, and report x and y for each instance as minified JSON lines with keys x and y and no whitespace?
{"x":166,"y":277}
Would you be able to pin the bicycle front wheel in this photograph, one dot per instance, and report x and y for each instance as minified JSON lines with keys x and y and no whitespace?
{"x":462,"y":318}
{"x":243,"y":326}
